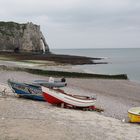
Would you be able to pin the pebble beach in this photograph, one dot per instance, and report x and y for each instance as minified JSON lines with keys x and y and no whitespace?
{"x":27,"y":119}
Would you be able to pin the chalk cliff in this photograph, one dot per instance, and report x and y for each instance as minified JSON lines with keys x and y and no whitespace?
{"x":17,"y":37}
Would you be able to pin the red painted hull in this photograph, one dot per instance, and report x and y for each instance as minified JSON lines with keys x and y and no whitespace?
{"x":51,"y":99}
{"x":55,"y":96}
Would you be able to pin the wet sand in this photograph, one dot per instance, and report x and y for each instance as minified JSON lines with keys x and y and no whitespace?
{"x":27,"y":119}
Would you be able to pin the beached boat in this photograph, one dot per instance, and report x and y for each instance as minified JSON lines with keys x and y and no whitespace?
{"x":50,"y":84}
{"x":134,"y":114}
{"x":26,"y":90}
{"x":59,"y":97}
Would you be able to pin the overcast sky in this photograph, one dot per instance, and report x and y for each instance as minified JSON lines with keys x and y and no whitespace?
{"x":79,"y":23}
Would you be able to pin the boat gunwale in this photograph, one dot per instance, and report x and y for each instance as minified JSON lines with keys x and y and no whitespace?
{"x":132,"y":112}
{"x":70,"y":95}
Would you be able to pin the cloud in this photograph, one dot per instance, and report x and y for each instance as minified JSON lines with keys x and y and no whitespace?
{"x":96,"y":23}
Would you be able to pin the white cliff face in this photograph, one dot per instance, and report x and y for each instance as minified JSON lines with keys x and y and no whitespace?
{"x":22,"y":37}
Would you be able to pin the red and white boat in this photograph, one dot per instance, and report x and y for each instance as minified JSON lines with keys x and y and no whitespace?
{"x":59,"y":97}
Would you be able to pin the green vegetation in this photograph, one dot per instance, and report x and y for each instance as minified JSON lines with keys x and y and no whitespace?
{"x":66,"y":74}
{"x":75,"y":74}
{"x":8,"y":28}
{"x":6,"y":33}
{"x":10,"y":25}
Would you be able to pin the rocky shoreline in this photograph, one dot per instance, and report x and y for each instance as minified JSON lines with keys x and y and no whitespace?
{"x":61,"y":59}
{"x":67,"y":74}
{"x":31,"y":120}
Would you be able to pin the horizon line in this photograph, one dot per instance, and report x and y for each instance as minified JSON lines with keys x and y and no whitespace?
{"x":97,"y":48}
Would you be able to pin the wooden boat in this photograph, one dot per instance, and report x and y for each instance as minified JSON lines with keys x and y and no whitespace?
{"x":59,"y":97}
{"x":26,"y":90}
{"x":134,"y":114}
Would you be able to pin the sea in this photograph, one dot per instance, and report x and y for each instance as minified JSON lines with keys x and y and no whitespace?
{"x":120,"y":61}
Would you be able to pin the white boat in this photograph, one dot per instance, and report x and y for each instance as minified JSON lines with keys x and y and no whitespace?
{"x":51,"y":82}
{"x":58,"y":96}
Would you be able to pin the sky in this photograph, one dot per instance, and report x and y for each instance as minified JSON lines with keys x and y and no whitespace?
{"x":79,"y":23}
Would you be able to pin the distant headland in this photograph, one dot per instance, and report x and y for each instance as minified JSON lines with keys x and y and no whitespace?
{"x":27,"y":37}
{"x":26,"y":41}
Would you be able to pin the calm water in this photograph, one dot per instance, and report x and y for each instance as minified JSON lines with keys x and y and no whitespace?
{"x":121,"y":61}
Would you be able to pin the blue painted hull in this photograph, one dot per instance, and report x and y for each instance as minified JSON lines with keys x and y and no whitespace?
{"x":27,"y":90}
{"x":29,"y":96}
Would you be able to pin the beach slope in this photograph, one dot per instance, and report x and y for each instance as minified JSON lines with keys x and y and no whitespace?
{"x":31,"y":120}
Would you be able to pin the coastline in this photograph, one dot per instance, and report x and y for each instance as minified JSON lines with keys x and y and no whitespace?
{"x":57,"y":58}
{"x":39,"y":120}
{"x":114,"y":96}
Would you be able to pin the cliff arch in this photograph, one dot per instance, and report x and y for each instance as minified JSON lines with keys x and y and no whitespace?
{"x":17,"y":37}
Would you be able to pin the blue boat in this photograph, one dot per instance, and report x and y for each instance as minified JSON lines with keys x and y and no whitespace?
{"x":25,"y":90}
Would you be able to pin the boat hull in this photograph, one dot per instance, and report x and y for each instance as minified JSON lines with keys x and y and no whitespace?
{"x":51,"y":99}
{"x":134,"y":114}
{"x":26,"y":90}
{"x":56,"y":97}
{"x":50,"y":84}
